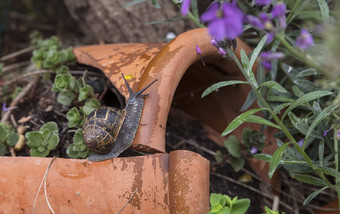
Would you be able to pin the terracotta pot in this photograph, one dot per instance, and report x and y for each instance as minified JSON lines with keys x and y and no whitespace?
{"x":165,"y":183}
{"x":182,"y":79}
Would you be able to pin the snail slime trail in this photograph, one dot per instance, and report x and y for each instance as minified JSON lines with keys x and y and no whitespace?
{"x":108,"y":131}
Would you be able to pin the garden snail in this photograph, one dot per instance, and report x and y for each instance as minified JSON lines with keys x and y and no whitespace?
{"x":109,"y":131}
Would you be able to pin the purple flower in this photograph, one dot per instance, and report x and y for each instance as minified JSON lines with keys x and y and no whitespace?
{"x":338,"y":134}
{"x":305,"y":40}
{"x":224,"y":21}
{"x":326,"y":131}
{"x":185,"y":7}
{"x":267,"y":56}
{"x":279,"y":11}
{"x":213,"y":42}
{"x":222,"y":51}
{"x":253,"y":21}
{"x":198,"y":51}
{"x":300,"y":142}
{"x":263,"y":2}
{"x":253,"y":150}
{"x":267,"y":24}
{"x":4,"y":108}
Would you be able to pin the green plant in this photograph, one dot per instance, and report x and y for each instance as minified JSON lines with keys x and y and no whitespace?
{"x":269,"y":211}
{"x":78,"y":149}
{"x":232,"y":145}
{"x":223,"y":204}
{"x":8,"y":138}
{"x":299,"y":93}
{"x":45,"y":140}
{"x":49,"y":54}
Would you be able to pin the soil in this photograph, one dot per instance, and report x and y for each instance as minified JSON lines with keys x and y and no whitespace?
{"x":40,"y":104}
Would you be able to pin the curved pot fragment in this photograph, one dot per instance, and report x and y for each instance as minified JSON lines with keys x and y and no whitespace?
{"x":142,"y":63}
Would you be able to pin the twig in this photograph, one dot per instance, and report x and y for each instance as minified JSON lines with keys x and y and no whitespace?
{"x":7,"y":68}
{"x":44,"y":181}
{"x":17,"y":53}
{"x":21,"y":95}
{"x":26,"y":75}
{"x":11,"y":150}
{"x":276,"y":202}
{"x":127,"y":201}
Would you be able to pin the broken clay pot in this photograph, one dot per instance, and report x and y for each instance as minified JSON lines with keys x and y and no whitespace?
{"x":164,"y":183}
{"x":182,"y":79}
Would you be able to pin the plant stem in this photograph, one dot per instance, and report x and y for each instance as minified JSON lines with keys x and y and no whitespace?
{"x":336,"y":160}
{"x":291,"y":138}
{"x":278,"y":121}
{"x":191,"y":16}
{"x":293,"y":11}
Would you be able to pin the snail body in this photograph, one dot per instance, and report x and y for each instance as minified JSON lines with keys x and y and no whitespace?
{"x":109,"y":131}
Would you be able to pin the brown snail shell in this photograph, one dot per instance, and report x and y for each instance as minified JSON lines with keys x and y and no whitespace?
{"x":101,"y":128}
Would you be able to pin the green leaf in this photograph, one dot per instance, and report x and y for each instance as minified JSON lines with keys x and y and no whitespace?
{"x":306,"y":98}
{"x":309,"y":179}
{"x":4,"y":132}
{"x":3,"y":149}
{"x":263,"y":157}
{"x":249,"y":100}
{"x":51,"y":126}
{"x":34,"y":138}
{"x":239,"y":120}
{"x":276,"y":158}
{"x":244,"y":59}
{"x":248,"y":68}
{"x":260,"y":120}
{"x":52,"y":142}
{"x":218,"y":85}
{"x":261,"y":75}
{"x":46,"y":133}
{"x":321,"y":151}
{"x":215,"y":199}
{"x":324,"y":11}
{"x":298,"y":123}
{"x":297,"y":92}
{"x":280,"y":99}
{"x":307,"y":72}
{"x":274,"y":85}
{"x":240,"y":206}
{"x":12,"y":139}
{"x":74,"y":118}
{"x":257,"y":51}
{"x":85,"y":92}
{"x":91,"y":105}
{"x":219,"y":157}
{"x":78,"y":137}
{"x":66,"y":97}
{"x":329,"y":171}
{"x":62,"y":82}
{"x":322,"y":115}
{"x":233,"y":146}
{"x":237,"y":163}
{"x":278,"y":108}
{"x":35,"y":153}
{"x":313,"y":195}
